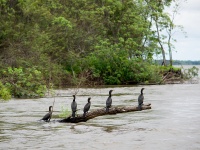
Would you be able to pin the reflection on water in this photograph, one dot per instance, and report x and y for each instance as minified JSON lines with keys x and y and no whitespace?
{"x":172,"y":123}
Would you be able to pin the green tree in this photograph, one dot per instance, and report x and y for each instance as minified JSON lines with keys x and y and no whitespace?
{"x":73,"y":41}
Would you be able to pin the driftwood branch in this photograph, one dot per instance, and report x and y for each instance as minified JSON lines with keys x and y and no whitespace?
{"x":102,"y":111}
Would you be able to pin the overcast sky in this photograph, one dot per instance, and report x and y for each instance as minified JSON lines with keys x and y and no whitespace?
{"x":189,"y":17}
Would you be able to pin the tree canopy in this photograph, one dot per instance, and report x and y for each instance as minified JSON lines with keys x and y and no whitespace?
{"x":65,"y":42}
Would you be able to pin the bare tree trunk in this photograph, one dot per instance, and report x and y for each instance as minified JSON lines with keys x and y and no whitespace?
{"x":170,"y":50}
{"x":159,"y":41}
{"x":101,"y":112}
{"x":172,"y":26}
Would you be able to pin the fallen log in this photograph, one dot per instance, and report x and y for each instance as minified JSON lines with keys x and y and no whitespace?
{"x":102,"y":111}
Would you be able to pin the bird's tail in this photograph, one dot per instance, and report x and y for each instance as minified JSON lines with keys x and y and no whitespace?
{"x":73,"y":114}
{"x":140,"y":107}
{"x":107,"y":109}
{"x":84,"y":114}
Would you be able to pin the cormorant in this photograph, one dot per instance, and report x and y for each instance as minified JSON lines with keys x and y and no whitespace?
{"x":73,"y":106}
{"x":87,"y":107}
{"x":47,"y":117}
{"x":109,"y":101}
{"x":140,"y":99}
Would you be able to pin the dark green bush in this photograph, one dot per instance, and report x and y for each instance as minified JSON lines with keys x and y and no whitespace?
{"x":114,"y":67}
{"x":25,"y":83}
{"x":4,"y":92}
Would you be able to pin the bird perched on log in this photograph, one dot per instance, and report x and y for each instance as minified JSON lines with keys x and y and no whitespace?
{"x":109,"y":101}
{"x":47,"y":117}
{"x":87,"y":107}
{"x":140,"y":99}
{"x":74,"y":106}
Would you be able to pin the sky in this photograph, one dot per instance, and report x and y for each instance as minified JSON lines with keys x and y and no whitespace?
{"x":189,"y":17}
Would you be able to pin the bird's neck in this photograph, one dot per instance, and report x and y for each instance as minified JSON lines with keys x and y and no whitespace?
{"x":141,"y":91}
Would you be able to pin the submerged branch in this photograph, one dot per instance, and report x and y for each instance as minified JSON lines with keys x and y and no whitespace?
{"x":101,"y":112}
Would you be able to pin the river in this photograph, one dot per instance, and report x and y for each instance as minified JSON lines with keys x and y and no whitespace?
{"x":172,"y":123}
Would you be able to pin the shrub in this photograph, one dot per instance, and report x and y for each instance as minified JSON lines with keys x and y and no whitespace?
{"x":114,"y":67}
{"x":26,"y":83}
{"x":4,"y":92}
{"x":191,"y":72}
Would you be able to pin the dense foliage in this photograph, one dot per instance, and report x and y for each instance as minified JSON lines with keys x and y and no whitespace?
{"x":4,"y":92}
{"x":65,"y":42}
{"x":26,"y":82}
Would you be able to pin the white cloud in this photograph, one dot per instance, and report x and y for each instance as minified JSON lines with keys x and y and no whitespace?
{"x":187,"y":50}
{"x":189,"y":18}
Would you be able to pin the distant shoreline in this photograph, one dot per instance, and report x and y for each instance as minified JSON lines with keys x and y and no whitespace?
{"x":180,"y":62}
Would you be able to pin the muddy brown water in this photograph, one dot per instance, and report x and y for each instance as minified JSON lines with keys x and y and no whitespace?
{"x":172,"y":123}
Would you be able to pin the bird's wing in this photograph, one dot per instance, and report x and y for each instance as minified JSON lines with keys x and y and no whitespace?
{"x":46,"y":117}
{"x":109,"y":101}
{"x":87,"y":107}
{"x":74,"y":106}
{"x":140,"y":99}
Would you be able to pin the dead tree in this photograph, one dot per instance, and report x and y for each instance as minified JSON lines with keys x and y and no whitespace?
{"x":101,"y":112}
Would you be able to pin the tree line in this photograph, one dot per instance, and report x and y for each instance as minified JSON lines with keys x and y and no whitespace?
{"x":179,"y":62}
{"x":45,"y":43}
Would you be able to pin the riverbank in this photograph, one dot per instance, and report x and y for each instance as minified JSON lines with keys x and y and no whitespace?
{"x":20,"y":87}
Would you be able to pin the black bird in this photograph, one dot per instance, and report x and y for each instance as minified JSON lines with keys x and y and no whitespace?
{"x":87,"y":107}
{"x":109,"y":101}
{"x":73,"y":106}
{"x":47,"y":117}
{"x":140,"y":99}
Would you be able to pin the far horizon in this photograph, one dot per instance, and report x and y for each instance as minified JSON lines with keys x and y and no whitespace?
{"x":160,"y":58}
{"x":179,"y":62}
